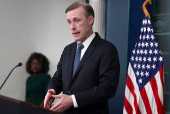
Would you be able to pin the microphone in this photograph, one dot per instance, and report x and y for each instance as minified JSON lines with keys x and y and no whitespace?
{"x":19,"y":64}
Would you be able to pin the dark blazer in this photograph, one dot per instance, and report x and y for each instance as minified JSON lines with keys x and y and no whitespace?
{"x":95,"y":80}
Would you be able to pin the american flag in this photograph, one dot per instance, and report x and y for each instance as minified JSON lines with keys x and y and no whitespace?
{"x":144,"y":92}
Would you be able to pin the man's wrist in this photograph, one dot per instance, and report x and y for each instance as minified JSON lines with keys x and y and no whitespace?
{"x":74,"y":101}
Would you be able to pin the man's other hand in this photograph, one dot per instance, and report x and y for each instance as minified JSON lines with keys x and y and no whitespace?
{"x":63,"y":104}
{"x":49,"y":99}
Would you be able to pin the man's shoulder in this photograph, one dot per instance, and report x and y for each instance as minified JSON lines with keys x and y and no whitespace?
{"x":103,"y":42}
{"x":70,"y":46}
{"x":106,"y":44}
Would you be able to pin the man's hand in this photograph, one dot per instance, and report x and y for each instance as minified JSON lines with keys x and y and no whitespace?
{"x":48,"y":99}
{"x":63,"y":104}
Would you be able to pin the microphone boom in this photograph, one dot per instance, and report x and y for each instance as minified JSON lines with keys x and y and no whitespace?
{"x":19,"y":64}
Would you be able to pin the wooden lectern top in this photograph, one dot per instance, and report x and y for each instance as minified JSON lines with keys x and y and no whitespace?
{"x":20,"y":107}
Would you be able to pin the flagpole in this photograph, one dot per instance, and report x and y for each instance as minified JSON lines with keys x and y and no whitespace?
{"x":144,"y":8}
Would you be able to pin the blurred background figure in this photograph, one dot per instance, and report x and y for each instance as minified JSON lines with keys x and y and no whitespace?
{"x":36,"y":85}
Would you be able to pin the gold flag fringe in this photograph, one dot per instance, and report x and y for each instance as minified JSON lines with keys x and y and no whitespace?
{"x":144,"y":8}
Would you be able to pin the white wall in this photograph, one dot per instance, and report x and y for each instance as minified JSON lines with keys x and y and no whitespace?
{"x":28,"y":26}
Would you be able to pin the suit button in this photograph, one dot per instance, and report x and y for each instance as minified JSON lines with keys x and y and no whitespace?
{"x":68,"y":91}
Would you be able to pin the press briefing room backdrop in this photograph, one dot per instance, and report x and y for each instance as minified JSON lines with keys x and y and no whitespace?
{"x":28,"y":26}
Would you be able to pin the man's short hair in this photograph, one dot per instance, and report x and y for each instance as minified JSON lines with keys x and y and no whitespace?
{"x":88,"y":9}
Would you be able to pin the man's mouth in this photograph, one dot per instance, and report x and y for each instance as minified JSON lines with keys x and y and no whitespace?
{"x":76,"y":33}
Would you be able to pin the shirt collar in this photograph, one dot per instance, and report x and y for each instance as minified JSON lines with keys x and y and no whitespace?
{"x":88,"y":40}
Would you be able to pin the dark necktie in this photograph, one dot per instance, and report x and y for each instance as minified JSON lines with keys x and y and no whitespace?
{"x":77,"y":57}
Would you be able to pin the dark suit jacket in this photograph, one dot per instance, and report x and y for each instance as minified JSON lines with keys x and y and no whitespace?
{"x":95,"y":80}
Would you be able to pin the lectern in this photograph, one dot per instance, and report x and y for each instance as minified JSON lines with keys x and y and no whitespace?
{"x":13,"y":106}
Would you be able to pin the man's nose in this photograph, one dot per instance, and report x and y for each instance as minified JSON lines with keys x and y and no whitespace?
{"x":72,"y":26}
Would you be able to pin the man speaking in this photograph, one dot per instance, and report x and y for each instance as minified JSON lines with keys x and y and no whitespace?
{"x":88,"y":70}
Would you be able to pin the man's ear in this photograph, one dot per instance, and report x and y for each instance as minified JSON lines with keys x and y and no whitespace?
{"x":91,"y":20}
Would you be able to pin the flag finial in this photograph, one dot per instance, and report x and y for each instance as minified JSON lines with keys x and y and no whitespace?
{"x":144,"y":8}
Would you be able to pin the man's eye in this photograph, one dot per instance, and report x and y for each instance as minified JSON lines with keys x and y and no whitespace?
{"x":77,"y":20}
{"x":69,"y":22}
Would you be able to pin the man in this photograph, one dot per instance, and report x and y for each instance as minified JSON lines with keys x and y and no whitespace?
{"x":89,"y":84}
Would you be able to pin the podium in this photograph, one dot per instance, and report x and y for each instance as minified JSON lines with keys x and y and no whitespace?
{"x":13,"y":106}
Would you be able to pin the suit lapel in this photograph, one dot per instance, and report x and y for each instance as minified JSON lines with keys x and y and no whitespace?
{"x":71,"y":61}
{"x":87,"y":54}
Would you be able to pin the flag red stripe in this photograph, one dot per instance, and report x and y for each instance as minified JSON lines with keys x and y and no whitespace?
{"x":145,"y":100}
{"x":161,"y":73}
{"x":156,"y":96}
{"x":161,"y":77}
{"x":128,"y":107}
{"x":131,"y":87}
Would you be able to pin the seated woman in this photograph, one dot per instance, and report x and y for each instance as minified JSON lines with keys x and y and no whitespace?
{"x":36,"y":85}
